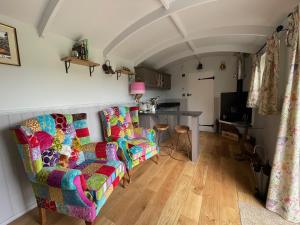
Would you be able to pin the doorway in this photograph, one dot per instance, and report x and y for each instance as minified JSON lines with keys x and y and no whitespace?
{"x":200,"y":97}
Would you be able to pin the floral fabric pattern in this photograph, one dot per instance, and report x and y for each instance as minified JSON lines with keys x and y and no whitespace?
{"x":255,"y":84}
{"x":268,"y":95}
{"x":284,"y":189}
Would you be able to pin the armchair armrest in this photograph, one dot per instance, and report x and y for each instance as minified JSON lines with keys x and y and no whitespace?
{"x":70,"y":181}
{"x":101,"y":150}
{"x":145,"y":133}
{"x":123,"y":144}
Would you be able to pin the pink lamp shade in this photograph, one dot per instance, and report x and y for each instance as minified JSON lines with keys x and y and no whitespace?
{"x":137,"y":88}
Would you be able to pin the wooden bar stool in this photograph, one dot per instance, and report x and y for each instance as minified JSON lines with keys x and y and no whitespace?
{"x":181,"y":130}
{"x":160,"y":129}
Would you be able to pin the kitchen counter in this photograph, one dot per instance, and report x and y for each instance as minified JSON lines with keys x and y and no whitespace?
{"x":175,"y":113}
{"x":149,"y":119}
{"x":168,"y":105}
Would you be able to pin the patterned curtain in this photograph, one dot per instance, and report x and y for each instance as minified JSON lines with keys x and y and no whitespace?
{"x":255,"y":84}
{"x":268,"y":93}
{"x":284,"y":189}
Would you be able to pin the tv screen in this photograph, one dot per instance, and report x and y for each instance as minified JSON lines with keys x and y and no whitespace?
{"x":233,"y":107}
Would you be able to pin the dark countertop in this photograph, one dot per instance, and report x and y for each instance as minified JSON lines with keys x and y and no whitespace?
{"x":174,"y":113}
{"x":168,"y":105}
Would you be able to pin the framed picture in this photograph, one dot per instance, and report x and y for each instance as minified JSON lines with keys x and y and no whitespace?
{"x":9,"y":50}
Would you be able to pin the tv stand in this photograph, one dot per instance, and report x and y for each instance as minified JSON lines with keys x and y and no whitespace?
{"x":246,"y":126}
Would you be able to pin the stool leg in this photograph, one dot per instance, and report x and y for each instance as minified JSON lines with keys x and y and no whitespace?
{"x":158,"y":138}
{"x":177,"y":142}
{"x":170,"y":136}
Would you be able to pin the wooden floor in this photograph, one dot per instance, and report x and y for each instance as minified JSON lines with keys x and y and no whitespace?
{"x":176,"y":192}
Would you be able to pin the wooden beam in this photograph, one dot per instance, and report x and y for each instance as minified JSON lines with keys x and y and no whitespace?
{"x":48,"y":15}
{"x":247,"y":30}
{"x":176,"y":6}
{"x":208,"y":49}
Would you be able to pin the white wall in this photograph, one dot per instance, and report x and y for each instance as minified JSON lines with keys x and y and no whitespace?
{"x":41,"y":81}
{"x":224,"y":80}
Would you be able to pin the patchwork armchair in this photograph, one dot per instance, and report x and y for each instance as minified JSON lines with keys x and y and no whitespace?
{"x":68,"y":173}
{"x":121,"y":124}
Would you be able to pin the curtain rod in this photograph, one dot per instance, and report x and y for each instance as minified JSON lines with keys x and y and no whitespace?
{"x":279,"y":29}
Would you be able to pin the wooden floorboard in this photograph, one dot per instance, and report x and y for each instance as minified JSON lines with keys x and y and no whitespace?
{"x":176,"y":192}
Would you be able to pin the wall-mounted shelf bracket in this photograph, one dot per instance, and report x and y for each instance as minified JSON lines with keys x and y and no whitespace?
{"x":92,"y":68}
{"x":67,"y":66}
{"x":125,"y":72}
{"x":119,"y":73}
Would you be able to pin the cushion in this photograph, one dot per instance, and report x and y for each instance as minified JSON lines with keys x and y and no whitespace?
{"x":117,"y":122}
{"x":81,"y":128}
{"x":139,"y":147}
{"x":50,"y":158}
{"x":100,"y":150}
{"x":100,"y":175}
{"x":47,"y":124}
{"x":60,"y":121}
{"x":44,"y":139}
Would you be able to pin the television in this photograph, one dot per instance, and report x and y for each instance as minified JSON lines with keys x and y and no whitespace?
{"x":233,"y":107}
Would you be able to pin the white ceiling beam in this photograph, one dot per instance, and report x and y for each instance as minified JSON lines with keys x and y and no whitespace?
{"x":48,"y":15}
{"x":165,"y":3}
{"x":176,"y":6}
{"x":179,"y":25}
{"x":208,"y":49}
{"x":181,"y":29}
{"x":191,"y":45}
{"x":247,"y":30}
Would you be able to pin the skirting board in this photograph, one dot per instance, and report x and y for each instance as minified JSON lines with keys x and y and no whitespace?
{"x":11,"y":219}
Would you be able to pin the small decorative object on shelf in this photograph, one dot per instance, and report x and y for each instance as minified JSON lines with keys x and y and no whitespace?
{"x":137,"y":89}
{"x":71,"y":59}
{"x":80,"y":49}
{"x":124,"y":70}
{"x":223,"y":66}
{"x":200,"y":66}
{"x":107,"y":68}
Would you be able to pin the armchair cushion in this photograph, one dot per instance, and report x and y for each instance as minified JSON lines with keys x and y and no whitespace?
{"x":100,"y":150}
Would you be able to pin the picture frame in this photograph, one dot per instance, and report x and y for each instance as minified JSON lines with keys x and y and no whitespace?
{"x":9,"y":49}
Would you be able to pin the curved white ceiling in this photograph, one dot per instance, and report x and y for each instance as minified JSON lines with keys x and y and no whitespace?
{"x":156,"y":32}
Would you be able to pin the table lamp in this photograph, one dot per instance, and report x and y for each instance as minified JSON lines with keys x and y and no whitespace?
{"x":137,"y":89}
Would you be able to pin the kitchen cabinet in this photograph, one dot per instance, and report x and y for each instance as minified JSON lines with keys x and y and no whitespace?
{"x":153,"y":79}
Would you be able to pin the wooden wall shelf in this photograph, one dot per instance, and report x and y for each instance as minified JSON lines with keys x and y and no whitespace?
{"x":125,"y":72}
{"x":70,"y":59}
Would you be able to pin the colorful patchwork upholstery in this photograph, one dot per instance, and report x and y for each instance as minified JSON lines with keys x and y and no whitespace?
{"x":89,"y":173}
{"x":121,"y":124}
